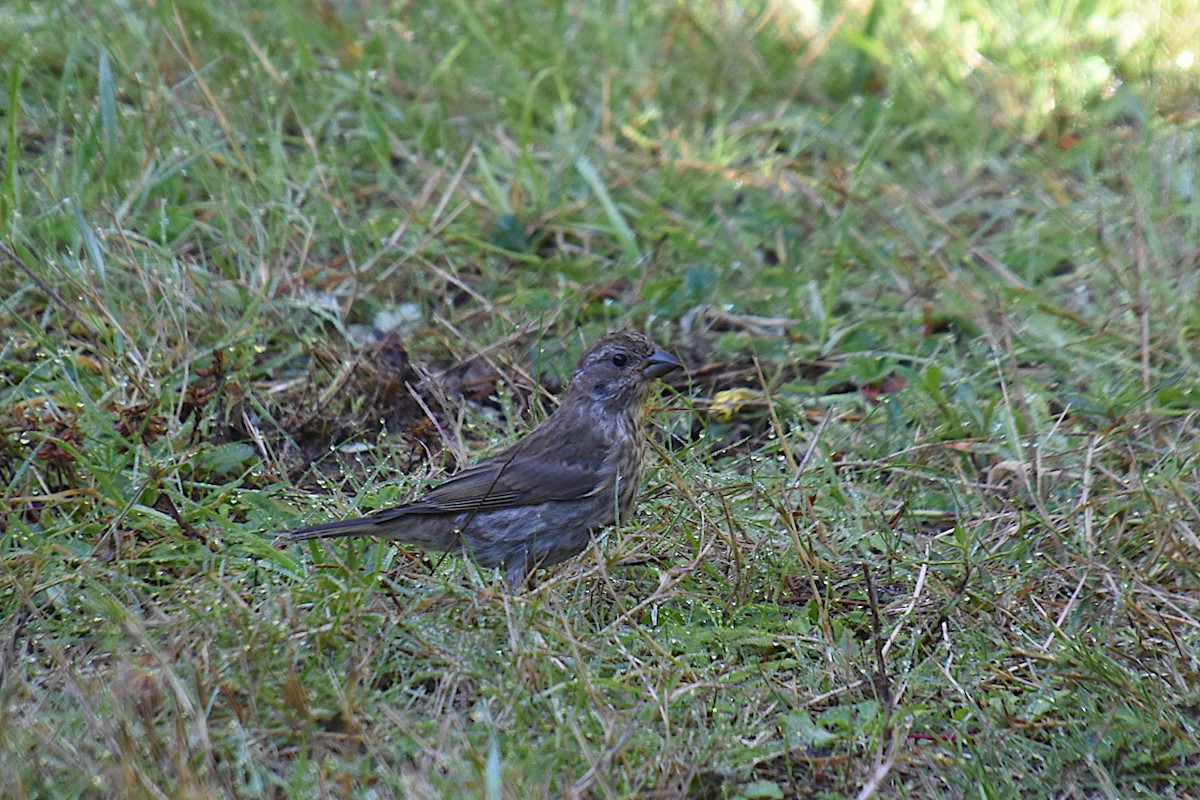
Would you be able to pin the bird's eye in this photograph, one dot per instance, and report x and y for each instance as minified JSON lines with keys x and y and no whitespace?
{"x":620,"y":359}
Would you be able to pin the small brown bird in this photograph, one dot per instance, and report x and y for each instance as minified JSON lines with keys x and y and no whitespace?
{"x":539,"y":502}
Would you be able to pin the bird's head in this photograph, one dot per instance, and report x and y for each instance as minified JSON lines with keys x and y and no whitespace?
{"x":618,"y":372}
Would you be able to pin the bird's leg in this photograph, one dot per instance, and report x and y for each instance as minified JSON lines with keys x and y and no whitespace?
{"x":516,"y":575}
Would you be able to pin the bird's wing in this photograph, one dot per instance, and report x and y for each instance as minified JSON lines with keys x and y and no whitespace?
{"x":511,"y":480}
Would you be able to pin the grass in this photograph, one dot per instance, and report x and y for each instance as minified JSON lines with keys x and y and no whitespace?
{"x":924,"y":521}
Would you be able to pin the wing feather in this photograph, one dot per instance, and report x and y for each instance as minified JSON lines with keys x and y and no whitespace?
{"x":509,"y":481}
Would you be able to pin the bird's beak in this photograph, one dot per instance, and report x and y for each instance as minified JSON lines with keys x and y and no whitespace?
{"x":659,"y":364}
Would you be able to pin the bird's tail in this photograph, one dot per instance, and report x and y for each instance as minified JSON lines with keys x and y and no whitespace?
{"x":382,"y":523}
{"x":335,"y":529}
{"x":403,"y":523}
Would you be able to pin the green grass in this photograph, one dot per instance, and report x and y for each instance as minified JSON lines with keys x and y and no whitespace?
{"x":266,"y":266}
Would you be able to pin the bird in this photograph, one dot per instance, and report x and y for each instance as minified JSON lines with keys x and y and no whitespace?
{"x":539,"y":502}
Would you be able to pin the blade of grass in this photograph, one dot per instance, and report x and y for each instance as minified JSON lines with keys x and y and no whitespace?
{"x":90,"y":243}
{"x":107,"y":86}
{"x":620,"y":227}
{"x":9,"y":208}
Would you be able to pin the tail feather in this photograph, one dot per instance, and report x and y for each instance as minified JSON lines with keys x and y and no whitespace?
{"x":334,"y":529}
{"x":433,"y":531}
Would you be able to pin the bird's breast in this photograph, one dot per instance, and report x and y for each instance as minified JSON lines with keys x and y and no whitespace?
{"x":627,"y":466}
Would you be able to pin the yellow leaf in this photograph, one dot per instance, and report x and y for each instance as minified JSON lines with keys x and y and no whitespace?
{"x":725,"y":405}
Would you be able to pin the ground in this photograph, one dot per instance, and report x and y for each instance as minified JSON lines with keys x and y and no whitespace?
{"x":923,"y":516}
